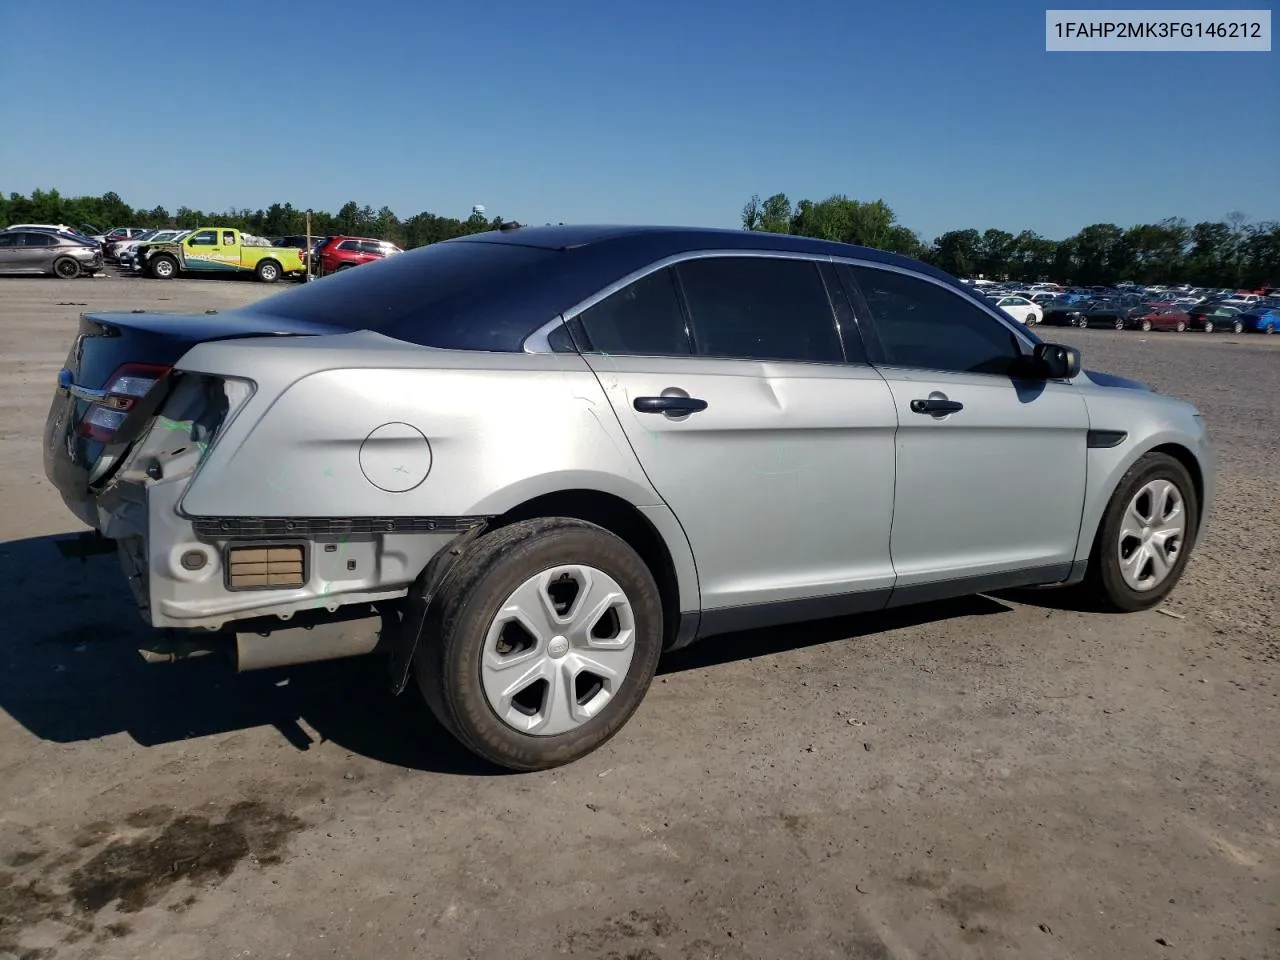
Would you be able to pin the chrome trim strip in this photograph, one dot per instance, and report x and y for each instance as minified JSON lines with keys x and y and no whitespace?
{"x":536,"y":342}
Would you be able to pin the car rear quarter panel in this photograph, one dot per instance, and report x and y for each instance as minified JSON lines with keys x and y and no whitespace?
{"x":500,"y":430}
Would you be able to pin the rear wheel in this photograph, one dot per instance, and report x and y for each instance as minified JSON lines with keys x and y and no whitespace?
{"x":1181,"y":326}
{"x":1145,"y":537}
{"x":1237,"y":327}
{"x":343,"y":266}
{"x":1119,"y":323}
{"x":1269,"y":328}
{"x":1208,"y":326}
{"x":1146,"y":326}
{"x":66,"y":268}
{"x":163,"y":266}
{"x":541,"y":642}
{"x":268,"y":271}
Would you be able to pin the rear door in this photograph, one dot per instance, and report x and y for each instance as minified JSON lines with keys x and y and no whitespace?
{"x":990,"y":469}
{"x":729,"y":378}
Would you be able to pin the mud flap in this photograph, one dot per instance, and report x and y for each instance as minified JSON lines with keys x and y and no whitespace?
{"x":417,"y":604}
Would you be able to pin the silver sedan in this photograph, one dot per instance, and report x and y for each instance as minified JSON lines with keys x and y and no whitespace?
{"x":48,"y":252}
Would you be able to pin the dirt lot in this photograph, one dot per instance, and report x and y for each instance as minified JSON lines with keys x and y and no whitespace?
{"x":986,"y":778}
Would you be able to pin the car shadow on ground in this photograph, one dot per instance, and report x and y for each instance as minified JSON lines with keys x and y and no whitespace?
{"x":70,"y":671}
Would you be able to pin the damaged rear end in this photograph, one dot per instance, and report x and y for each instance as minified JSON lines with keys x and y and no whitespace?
{"x":126,"y":433}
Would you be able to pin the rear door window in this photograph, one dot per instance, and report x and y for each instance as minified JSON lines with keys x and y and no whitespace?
{"x":642,"y":319}
{"x":760,"y":308}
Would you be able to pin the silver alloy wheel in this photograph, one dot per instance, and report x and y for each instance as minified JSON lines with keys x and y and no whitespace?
{"x":558,"y":650}
{"x":1151,"y":535}
{"x":164,"y":268}
{"x":268,"y":272}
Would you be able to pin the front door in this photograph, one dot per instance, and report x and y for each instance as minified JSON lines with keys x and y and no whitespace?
{"x":774,"y":453}
{"x":991,"y":470}
{"x":200,"y":250}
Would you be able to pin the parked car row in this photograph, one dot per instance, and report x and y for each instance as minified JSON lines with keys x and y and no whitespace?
{"x":1123,"y":310}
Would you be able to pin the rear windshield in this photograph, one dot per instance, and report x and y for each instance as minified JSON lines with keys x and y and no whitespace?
{"x":406,"y":295}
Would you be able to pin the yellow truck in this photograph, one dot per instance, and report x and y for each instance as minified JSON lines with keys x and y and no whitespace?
{"x":222,"y":250}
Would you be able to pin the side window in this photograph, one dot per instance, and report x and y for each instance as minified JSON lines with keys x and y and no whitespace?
{"x":205,"y":238}
{"x":760,"y":308}
{"x":560,"y":340}
{"x":921,"y":324}
{"x":349,"y":245}
{"x":228,"y":238}
{"x":372,"y":246}
{"x":641,"y":319}
{"x":9,"y":239}
{"x":39,"y":240}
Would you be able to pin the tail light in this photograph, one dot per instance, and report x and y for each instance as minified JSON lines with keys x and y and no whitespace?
{"x":124,"y":390}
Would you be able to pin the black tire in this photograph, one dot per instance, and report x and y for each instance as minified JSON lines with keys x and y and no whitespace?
{"x":268,"y":271}
{"x":66,"y":268}
{"x":163,"y":266}
{"x":1104,"y":585}
{"x":1146,"y":326}
{"x":447,"y":665}
{"x":1237,"y":327}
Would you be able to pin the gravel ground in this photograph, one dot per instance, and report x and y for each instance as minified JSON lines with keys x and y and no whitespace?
{"x":984,"y":778}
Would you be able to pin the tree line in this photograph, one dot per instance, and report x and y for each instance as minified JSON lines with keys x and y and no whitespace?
{"x":279,"y":219}
{"x":1233,"y":252}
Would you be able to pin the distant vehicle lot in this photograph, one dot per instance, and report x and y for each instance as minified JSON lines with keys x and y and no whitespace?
{"x":982,"y":776}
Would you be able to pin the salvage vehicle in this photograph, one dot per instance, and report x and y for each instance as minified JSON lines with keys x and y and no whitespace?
{"x":222,"y":250}
{"x":525,"y":464}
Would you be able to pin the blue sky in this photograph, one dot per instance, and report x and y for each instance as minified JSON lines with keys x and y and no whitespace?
{"x":671,"y":111}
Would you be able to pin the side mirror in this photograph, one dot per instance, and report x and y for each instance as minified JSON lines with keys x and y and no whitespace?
{"x":1056,"y":361}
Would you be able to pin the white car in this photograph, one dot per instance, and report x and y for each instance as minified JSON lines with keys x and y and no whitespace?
{"x":1021,"y":309}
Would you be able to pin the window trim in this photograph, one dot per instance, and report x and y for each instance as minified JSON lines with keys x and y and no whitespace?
{"x":537,"y":342}
{"x":863,"y":310}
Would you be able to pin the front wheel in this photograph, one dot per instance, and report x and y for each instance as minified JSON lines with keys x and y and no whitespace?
{"x":1237,"y":327}
{"x":164,"y":267}
{"x":1145,"y":537}
{"x":1208,"y":326}
{"x":268,"y":271}
{"x":541,"y":642}
{"x":66,"y":268}
{"x":1119,"y":323}
{"x":1269,"y":328}
{"x":1146,"y":326}
{"x":1181,"y":327}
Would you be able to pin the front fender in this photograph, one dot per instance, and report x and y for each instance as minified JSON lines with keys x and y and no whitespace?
{"x":1107,"y":466}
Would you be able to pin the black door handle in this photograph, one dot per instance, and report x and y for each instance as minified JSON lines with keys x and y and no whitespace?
{"x":935,"y":407}
{"x":669,"y":404}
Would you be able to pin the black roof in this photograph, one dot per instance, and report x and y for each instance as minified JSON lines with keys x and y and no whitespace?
{"x":489,"y":291}
{"x":668,"y":240}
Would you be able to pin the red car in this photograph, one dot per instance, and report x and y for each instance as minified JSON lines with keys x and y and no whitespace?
{"x":1159,"y":316}
{"x":342,"y":253}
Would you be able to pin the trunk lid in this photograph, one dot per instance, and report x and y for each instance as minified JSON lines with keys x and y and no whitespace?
{"x":118,"y":371}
